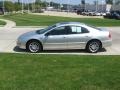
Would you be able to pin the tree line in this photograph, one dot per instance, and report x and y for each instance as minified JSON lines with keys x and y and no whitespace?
{"x":38,"y":4}
{"x":17,"y":6}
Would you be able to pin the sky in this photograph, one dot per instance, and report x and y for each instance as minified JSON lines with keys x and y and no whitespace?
{"x":64,"y":1}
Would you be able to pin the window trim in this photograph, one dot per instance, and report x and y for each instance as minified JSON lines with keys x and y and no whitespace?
{"x":67,"y":32}
{"x":54,"y":29}
{"x":81,"y":28}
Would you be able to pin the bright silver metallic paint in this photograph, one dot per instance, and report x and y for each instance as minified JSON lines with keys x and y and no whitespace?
{"x":68,"y":41}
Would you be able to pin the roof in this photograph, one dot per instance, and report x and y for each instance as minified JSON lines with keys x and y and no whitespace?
{"x":69,"y":23}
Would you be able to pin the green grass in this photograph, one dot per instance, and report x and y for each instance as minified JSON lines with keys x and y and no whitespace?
{"x":59,"y":72}
{"x":39,"y":20}
{"x":2,"y":23}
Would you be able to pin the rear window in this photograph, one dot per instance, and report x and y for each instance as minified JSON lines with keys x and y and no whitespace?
{"x":94,"y":27}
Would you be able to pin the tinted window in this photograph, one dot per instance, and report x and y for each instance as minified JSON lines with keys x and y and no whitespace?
{"x":84,"y":30}
{"x":59,"y":31}
{"x":45,"y":30}
{"x":50,"y":27}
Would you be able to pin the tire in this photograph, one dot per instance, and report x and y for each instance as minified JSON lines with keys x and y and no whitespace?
{"x":93,"y":46}
{"x":34,"y":46}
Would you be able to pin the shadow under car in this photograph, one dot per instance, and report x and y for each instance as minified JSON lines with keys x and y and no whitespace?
{"x":17,"y":49}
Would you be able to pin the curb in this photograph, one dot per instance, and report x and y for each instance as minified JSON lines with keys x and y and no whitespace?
{"x":9,"y":23}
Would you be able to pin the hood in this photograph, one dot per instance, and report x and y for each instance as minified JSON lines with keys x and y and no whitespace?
{"x":28,"y":34}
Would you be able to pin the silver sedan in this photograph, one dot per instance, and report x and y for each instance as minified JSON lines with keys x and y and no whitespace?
{"x":64,"y":36}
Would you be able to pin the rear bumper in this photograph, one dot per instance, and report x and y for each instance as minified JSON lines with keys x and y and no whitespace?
{"x":107,"y":43}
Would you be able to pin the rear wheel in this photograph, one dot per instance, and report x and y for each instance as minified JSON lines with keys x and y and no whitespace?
{"x":93,"y":46}
{"x":34,"y":46}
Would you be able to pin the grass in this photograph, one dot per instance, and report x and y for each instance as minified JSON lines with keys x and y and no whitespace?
{"x":59,"y":72}
{"x":39,"y":20}
{"x":2,"y":23}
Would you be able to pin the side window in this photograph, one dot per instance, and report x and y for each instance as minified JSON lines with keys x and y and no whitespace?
{"x":58,"y":31}
{"x":84,"y":30}
{"x":78,"y":30}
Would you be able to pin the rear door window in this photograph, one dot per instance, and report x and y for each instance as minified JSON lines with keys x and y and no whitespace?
{"x":78,"y":30}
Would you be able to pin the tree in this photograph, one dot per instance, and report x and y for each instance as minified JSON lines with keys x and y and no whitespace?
{"x":96,"y":2}
{"x":43,"y":4}
{"x":9,"y":6}
{"x":18,"y":1}
{"x":38,"y":4}
{"x":17,"y":6}
{"x":82,"y":2}
{"x":117,"y":2}
{"x":83,"y":5}
{"x":109,"y":1}
{"x":1,"y":4}
{"x":38,"y":1}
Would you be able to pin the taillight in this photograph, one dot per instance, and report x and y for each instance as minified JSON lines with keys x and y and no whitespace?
{"x":110,"y":35}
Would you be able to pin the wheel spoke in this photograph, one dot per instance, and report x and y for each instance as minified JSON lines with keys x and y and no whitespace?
{"x":94,"y":46}
{"x":34,"y":47}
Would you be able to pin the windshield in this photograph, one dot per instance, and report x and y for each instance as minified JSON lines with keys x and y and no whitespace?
{"x":45,"y":30}
{"x":50,"y":27}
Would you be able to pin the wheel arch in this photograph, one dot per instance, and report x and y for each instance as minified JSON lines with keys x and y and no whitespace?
{"x":94,"y":40}
{"x":34,"y":40}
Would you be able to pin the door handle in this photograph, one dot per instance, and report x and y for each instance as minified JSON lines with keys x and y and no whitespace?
{"x":87,"y":36}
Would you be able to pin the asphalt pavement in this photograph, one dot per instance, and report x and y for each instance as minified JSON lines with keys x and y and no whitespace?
{"x":8,"y":42}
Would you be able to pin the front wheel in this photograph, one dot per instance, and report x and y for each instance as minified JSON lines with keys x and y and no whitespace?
{"x":34,"y":46}
{"x":93,"y":46}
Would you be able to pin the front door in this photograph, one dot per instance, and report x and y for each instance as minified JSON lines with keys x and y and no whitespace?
{"x":56,"y":39}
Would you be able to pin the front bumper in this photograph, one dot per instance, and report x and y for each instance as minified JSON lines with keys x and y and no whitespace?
{"x":21,"y":45}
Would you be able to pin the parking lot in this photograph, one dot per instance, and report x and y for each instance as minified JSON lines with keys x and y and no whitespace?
{"x":8,"y":39}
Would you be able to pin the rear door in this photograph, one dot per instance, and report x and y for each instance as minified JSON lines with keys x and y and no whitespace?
{"x":77,"y":37}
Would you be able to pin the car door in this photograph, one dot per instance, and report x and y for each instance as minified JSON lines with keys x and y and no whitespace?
{"x":77,"y":37}
{"x":56,"y":39}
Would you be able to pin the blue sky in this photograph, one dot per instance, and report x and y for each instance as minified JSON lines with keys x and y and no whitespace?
{"x":64,"y":1}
